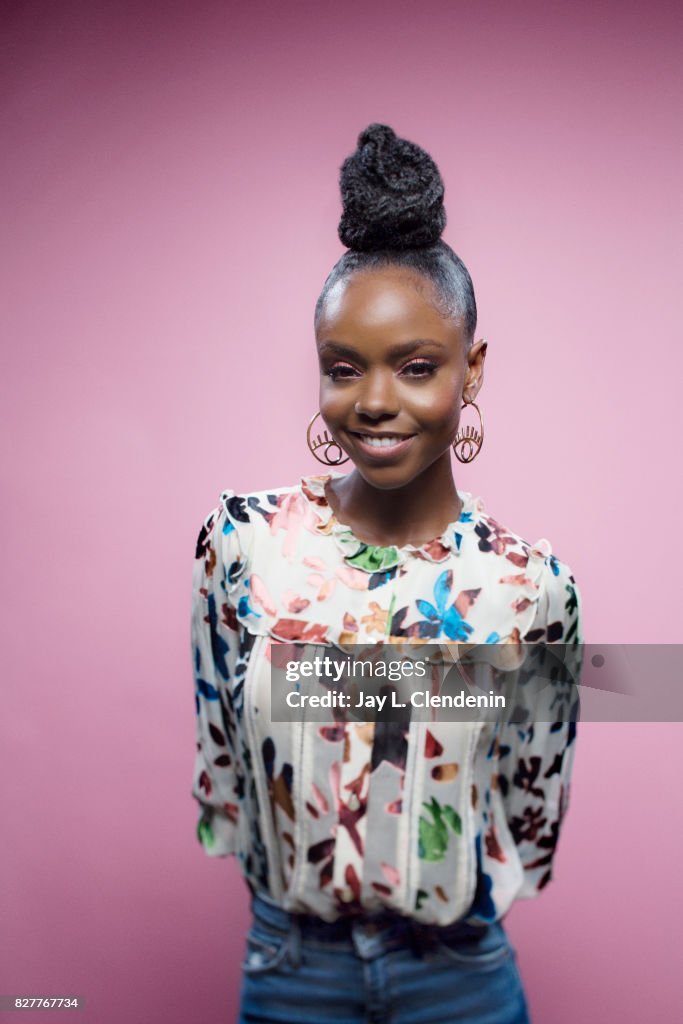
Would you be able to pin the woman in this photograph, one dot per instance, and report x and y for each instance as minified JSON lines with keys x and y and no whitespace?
{"x":381,"y":858}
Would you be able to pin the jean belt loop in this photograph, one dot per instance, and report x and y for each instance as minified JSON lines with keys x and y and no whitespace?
{"x":294,"y":941}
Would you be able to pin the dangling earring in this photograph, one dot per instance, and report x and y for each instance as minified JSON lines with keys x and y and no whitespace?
{"x":325,"y":442}
{"x":469,"y":440}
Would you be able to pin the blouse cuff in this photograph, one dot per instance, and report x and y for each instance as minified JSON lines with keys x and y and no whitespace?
{"x":217,"y":833}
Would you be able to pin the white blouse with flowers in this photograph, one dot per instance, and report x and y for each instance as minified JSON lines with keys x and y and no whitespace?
{"x":437,"y":820}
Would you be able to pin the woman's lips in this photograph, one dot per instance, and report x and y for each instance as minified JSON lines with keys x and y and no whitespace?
{"x":384,"y":452}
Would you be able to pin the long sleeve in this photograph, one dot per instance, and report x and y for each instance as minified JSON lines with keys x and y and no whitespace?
{"x":536,"y":752}
{"x":218,"y":781}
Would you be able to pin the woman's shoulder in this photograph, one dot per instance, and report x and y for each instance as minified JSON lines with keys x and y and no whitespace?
{"x":229,"y":532}
{"x":237,"y":517}
{"x":496,"y":537}
{"x":247,"y":506}
{"x":534,"y":570}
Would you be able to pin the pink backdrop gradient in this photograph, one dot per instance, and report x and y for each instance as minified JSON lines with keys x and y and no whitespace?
{"x":169,"y":202}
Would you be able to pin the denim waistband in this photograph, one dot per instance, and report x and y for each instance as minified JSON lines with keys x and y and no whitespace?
{"x":385,"y":927}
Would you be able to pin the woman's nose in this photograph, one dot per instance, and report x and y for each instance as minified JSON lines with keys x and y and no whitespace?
{"x":377,"y":397}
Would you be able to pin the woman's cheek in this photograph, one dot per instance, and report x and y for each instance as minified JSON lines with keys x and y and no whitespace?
{"x":436,"y":408}
{"x":333,"y":406}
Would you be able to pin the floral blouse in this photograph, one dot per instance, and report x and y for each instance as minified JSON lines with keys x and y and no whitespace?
{"x":456,"y":820}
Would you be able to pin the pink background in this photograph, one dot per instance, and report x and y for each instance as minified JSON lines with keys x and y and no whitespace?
{"x":170,"y":205}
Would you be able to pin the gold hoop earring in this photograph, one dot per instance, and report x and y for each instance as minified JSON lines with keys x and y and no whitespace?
{"x":469,"y":440}
{"x":328,"y":445}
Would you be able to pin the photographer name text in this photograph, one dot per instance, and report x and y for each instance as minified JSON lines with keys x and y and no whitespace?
{"x":378,"y":701}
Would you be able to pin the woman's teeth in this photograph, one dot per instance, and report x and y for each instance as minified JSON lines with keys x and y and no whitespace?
{"x":381,"y":442}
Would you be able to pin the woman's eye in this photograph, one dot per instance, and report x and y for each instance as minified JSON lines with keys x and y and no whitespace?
{"x":420,"y":368}
{"x":339,"y":371}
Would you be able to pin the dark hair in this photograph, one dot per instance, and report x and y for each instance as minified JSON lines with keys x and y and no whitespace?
{"x":393,"y":215}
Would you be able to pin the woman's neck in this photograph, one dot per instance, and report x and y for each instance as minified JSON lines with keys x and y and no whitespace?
{"x":413,"y":514}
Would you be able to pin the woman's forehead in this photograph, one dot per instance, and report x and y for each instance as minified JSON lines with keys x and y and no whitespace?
{"x":393,"y":301}
{"x":380,"y":292}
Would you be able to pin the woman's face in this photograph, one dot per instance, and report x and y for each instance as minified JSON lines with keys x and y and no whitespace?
{"x":391,"y":367}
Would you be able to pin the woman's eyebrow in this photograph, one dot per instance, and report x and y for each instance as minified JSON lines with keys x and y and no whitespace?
{"x":403,"y":349}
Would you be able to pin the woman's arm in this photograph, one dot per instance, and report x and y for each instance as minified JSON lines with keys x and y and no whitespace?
{"x":536,"y":753}
{"x":218,"y":778}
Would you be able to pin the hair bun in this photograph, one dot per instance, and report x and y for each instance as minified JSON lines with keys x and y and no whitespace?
{"x":392,"y":194}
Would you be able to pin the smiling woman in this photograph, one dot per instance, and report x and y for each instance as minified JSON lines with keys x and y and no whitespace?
{"x":393,"y":371}
{"x":381,"y":856}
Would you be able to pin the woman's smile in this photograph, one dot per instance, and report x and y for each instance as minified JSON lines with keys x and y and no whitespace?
{"x":381,"y":446}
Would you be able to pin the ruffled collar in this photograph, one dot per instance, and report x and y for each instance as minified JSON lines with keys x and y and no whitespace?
{"x":372,"y":557}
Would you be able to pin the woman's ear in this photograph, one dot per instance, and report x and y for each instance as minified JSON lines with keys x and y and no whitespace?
{"x":474,"y":375}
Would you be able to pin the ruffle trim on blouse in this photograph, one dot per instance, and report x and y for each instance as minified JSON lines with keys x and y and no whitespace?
{"x":374,"y":558}
{"x":259,"y":615}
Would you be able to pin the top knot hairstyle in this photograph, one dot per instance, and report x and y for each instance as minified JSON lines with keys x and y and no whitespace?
{"x":392,"y":194}
{"x":393,"y":215}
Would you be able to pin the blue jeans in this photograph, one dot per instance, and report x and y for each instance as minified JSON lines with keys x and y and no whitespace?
{"x":378,"y":969}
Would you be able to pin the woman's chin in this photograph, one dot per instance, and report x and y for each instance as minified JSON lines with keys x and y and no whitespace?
{"x":387,"y":477}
